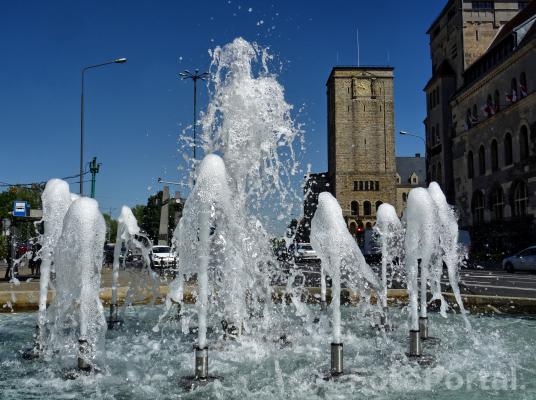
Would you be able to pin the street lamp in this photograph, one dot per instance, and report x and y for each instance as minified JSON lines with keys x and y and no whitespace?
{"x":116,"y":61}
{"x":411,"y":134}
{"x":194,"y":77}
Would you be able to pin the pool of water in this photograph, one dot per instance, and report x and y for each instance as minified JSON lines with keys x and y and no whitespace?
{"x":141,"y":363}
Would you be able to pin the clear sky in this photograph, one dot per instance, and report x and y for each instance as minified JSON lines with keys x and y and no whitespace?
{"x":136,"y":111}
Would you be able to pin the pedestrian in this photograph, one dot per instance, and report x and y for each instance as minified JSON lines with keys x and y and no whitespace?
{"x":31,"y":262}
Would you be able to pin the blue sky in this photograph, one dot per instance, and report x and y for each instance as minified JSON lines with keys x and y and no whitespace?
{"x":136,"y":111}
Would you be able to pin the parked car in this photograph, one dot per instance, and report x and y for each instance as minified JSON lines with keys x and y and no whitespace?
{"x":525,"y":260}
{"x":162,"y":257}
{"x":304,"y":252}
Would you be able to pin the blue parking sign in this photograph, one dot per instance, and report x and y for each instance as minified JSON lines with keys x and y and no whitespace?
{"x":20,"y":208}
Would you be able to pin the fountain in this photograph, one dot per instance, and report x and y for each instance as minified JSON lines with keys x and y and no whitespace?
{"x":391,"y":235}
{"x":76,"y":314}
{"x":226,"y":264}
{"x":342,"y":259}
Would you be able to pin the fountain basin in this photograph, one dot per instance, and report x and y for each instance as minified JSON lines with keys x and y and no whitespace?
{"x":140,"y":363}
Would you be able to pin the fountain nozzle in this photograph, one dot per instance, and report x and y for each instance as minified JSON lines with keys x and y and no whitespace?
{"x":423,"y":327}
{"x":336,"y":359}
{"x":415,"y":346}
{"x":83,"y":350}
{"x":201,"y":363}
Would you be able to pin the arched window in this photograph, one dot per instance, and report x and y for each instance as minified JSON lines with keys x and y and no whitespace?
{"x":368,"y":227}
{"x":367,"y":208}
{"x":477,"y":207}
{"x":520,"y":199}
{"x":497,"y":101}
{"x":497,"y":203}
{"x":470,"y":165}
{"x":481,"y":161}
{"x":354,"y":206}
{"x":439,"y":173}
{"x":494,"y":155}
{"x":468,"y":119}
{"x":353,"y":228}
{"x":508,"y":159}
{"x":523,"y":143}
{"x":404,"y":197}
{"x":523,"y":85}
{"x":378,"y":204}
{"x":513,"y":86}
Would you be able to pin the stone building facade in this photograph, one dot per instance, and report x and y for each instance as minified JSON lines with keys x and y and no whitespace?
{"x":410,"y":173}
{"x":361,"y":143}
{"x":460,"y":35}
{"x":494,"y":140}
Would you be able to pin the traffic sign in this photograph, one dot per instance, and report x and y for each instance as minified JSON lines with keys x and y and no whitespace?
{"x":20,"y":208}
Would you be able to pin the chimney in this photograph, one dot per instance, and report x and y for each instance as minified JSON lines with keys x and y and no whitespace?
{"x":417,"y":155}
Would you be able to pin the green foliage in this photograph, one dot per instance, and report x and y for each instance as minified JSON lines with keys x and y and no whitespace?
{"x":25,"y":230}
{"x":148,"y":216}
{"x":111,"y":228}
{"x":4,"y":247}
{"x":32,"y":196}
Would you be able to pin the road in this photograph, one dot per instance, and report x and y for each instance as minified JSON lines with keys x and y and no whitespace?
{"x":480,"y":282}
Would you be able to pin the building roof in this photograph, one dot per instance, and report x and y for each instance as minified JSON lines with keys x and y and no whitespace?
{"x":525,"y":14}
{"x":406,"y":166}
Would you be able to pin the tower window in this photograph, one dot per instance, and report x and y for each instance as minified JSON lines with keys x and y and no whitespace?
{"x":482,"y":5}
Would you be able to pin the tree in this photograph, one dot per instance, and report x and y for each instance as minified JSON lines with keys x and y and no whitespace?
{"x":32,"y":195}
{"x":111,"y":228}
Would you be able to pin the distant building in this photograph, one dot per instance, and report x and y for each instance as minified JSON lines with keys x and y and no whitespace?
{"x":494,"y":139}
{"x":410,"y":173}
{"x":458,"y":37}
{"x":361,"y":142}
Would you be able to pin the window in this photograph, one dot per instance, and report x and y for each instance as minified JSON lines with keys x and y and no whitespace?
{"x":361,"y":187}
{"x":377,"y":186}
{"x":513,"y":86}
{"x":524,"y":143}
{"x":354,"y":206}
{"x":497,"y":101}
{"x":523,"y":85}
{"x":520,"y":199}
{"x":356,"y":186}
{"x":482,"y":5}
{"x":378,"y":204}
{"x":508,"y":159}
{"x":497,"y":203}
{"x":481,"y":160}
{"x":454,"y":51}
{"x":404,"y":197}
{"x":477,"y":207}
{"x":494,"y":155}
{"x":367,"y":208}
{"x":470,"y":166}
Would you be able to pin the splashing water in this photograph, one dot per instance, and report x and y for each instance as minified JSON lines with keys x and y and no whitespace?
{"x":447,"y":231}
{"x":391,"y":234}
{"x":56,"y":200}
{"x":339,"y":254}
{"x":77,"y":311}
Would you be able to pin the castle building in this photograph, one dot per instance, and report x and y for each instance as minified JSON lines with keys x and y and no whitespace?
{"x":481,"y":120}
{"x":460,"y":35}
{"x":361,"y":143}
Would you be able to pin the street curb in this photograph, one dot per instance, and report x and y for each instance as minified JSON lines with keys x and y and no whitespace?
{"x":16,"y":301}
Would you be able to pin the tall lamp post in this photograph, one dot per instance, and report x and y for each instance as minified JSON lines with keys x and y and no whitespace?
{"x":194,"y":77}
{"x":404,"y":133}
{"x":116,"y":61}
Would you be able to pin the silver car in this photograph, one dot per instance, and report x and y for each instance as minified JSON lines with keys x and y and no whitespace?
{"x":525,"y":260}
{"x":162,"y":257}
